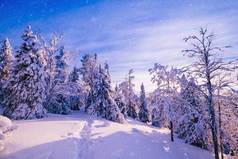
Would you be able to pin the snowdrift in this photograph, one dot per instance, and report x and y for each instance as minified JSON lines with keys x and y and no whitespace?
{"x":79,"y":136}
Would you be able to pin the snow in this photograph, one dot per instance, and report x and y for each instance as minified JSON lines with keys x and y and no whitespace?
{"x":80,"y":136}
{"x":4,"y":122}
{"x":6,"y":127}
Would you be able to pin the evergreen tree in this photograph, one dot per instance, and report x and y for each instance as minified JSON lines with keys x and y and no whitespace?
{"x":58,"y":104}
{"x":60,"y":66}
{"x":144,"y":113}
{"x":74,"y":75}
{"x":120,"y":102}
{"x":190,"y":92}
{"x":108,"y":106}
{"x":160,"y":112}
{"x":129,"y":97}
{"x":192,"y":123}
{"x":99,"y":101}
{"x":89,"y":72}
{"x":6,"y":59}
{"x":27,"y":85}
{"x":133,"y":109}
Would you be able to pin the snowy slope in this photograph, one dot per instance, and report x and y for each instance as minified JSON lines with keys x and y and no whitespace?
{"x":79,"y":136}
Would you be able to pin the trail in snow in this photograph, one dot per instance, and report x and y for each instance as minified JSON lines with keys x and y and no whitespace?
{"x":79,"y":136}
{"x":84,"y":144}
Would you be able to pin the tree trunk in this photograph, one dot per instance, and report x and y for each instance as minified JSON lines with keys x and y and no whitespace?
{"x":213,"y":119}
{"x":171,"y":131}
{"x":220,"y":131}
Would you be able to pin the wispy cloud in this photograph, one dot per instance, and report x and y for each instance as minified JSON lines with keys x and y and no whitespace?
{"x":136,"y":34}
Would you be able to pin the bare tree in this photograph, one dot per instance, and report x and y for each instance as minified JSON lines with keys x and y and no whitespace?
{"x":207,"y":66}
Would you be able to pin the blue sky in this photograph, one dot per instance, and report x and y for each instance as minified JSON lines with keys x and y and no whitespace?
{"x":125,"y":33}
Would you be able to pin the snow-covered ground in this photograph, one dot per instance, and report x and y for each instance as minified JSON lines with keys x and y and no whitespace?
{"x":79,"y":136}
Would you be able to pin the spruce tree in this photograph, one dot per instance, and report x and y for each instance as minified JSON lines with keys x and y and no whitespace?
{"x":6,"y":60}
{"x":119,"y":101}
{"x":144,"y":113}
{"x":89,"y":72}
{"x":99,"y":100}
{"x":110,"y":109}
{"x":129,"y":96}
{"x":192,"y":123}
{"x":27,"y":84}
{"x":74,"y":75}
{"x":60,"y":66}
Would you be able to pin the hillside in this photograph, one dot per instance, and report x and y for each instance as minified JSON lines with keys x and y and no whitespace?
{"x":79,"y":136}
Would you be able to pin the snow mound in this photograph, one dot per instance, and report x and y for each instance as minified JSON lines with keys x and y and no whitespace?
{"x":6,"y":127}
{"x":79,"y":136}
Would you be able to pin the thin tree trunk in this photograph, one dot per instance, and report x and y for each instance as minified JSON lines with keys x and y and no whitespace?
{"x":171,"y":131}
{"x":220,"y":132}
{"x":214,"y":134}
{"x":213,"y":119}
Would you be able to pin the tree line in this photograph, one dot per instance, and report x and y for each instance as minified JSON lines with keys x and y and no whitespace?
{"x":196,"y":102}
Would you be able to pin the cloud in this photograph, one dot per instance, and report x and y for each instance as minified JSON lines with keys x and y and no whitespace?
{"x":136,"y":34}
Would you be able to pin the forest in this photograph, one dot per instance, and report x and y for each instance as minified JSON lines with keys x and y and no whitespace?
{"x":198,"y":103}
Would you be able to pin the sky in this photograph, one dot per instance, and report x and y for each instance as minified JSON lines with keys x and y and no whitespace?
{"x":124,"y":33}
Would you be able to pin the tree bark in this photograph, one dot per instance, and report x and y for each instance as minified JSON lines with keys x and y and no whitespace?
{"x":220,"y":132}
{"x":212,"y":118}
{"x":171,"y":131}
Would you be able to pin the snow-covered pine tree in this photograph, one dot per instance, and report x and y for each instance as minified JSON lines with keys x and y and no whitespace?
{"x":60,"y":66}
{"x":89,"y":72}
{"x":159,"y":116}
{"x":192,"y":123}
{"x":128,"y":96}
{"x":160,"y":111}
{"x":58,"y":104}
{"x":6,"y":60}
{"x":191,"y":93}
{"x":107,"y":103}
{"x":144,"y":112}
{"x":133,"y":108}
{"x":100,"y":101}
{"x":56,"y":101}
{"x":27,"y":84}
{"x":120,"y":102}
{"x":74,"y":75}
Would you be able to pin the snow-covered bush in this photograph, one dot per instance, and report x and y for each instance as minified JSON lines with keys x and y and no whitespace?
{"x":193,"y":129}
{"x":57,"y":104}
{"x":6,"y":127}
{"x":120,"y":102}
{"x":192,"y":122}
{"x":160,"y":115}
{"x":66,"y":96}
